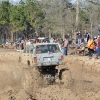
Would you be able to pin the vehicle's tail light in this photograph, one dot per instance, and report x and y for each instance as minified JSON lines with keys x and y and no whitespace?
{"x":62,"y":57}
{"x":35,"y":59}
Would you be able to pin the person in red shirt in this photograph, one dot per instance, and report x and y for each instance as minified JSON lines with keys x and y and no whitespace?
{"x":98,"y":44}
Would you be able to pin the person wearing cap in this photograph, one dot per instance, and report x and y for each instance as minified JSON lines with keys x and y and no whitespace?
{"x":79,"y":36}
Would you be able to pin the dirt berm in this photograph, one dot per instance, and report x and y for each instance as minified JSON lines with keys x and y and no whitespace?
{"x":84,"y":72}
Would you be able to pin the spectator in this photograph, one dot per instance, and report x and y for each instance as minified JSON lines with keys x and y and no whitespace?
{"x":51,"y":40}
{"x":65,"y":46}
{"x":20,"y":39}
{"x":85,"y":36}
{"x":37,"y":40}
{"x":79,"y":35}
{"x":17,"y":44}
{"x":28,"y":42}
{"x":98,"y":44}
{"x":22,"y":44}
{"x":62,"y":46}
{"x":91,"y":46}
{"x":3,"y":41}
{"x":88,"y":36}
{"x":99,"y":30}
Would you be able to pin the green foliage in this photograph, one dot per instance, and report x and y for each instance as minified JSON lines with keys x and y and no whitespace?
{"x":19,"y":17}
{"x":55,"y":15}
{"x":4,"y":12}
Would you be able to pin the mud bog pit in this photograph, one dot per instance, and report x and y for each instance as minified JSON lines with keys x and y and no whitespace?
{"x":85,"y":78}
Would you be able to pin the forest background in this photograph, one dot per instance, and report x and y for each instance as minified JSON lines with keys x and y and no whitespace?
{"x":46,"y":18}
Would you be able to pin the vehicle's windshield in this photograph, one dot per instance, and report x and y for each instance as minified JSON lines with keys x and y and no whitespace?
{"x":54,"y":48}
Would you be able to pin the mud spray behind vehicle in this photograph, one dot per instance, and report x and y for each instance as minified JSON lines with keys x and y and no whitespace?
{"x":44,"y":58}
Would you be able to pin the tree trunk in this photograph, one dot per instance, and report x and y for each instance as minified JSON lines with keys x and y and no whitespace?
{"x":12,"y":36}
{"x":77,"y":14}
{"x":49,"y":34}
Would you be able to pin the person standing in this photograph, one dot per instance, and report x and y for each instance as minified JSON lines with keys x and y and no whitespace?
{"x":91,"y":46}
{"x":3,"y":41}
{"x":98,"y":45}
{"x":62,"y":45}
{"x":51,"y":40}
{"x":22,"y":44}
{"x":88,"y":36}
{"x":65,"y":46}
{"x":79,"y":35}
{"x":99,"y":30}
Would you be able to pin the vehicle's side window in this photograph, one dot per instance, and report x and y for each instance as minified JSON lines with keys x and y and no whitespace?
{"x":38,"y":50}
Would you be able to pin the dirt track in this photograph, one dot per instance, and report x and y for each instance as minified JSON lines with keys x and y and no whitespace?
{"x":84,"y":73}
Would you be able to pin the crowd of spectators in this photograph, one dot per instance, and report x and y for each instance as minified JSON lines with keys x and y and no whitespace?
{"x":90,"y":42}
{"x":82,"y":41}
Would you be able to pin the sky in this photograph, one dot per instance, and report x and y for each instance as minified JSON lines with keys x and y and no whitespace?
{"x":73,"y":1}
{"x":16,"y":1}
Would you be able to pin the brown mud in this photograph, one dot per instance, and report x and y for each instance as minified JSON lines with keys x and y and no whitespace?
{"x":85,"y":76}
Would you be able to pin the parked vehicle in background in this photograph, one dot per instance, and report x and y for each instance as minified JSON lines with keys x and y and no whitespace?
{"x":46,"y":40}
{"x":9,"y":45}
{"x":32,"y":41}
{"x":41,"y":39}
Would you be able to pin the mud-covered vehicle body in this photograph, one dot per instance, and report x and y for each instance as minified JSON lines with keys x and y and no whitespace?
{"x":44,"y":58}
{"x":47,"y":54}
{"x":43,"y":54}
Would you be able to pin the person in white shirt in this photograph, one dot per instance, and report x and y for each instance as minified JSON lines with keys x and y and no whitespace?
{"x":51,"y":40}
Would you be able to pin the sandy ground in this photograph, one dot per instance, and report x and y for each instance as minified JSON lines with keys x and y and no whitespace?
{"x":84,"y":73}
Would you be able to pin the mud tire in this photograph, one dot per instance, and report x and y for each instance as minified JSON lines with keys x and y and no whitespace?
{"x":65,"y":78}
